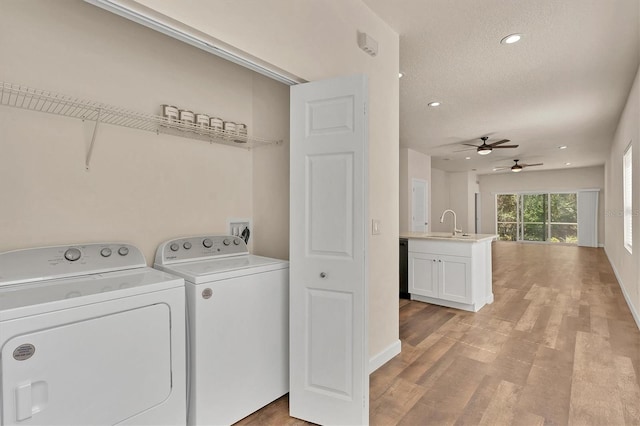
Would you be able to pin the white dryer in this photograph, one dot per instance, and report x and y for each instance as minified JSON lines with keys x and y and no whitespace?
{"x":238,"y":326}
{"x":89,"y":335}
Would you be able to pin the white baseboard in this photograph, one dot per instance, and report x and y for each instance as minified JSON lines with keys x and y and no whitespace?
{"x":634,"y":313}
{"x":381,"y":358}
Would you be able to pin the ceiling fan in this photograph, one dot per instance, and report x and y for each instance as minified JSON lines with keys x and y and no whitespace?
{"x":486,"y":148}
{"x":516,"y":167}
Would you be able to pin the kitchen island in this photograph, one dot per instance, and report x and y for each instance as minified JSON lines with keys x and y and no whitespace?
{"x":448,"y":270}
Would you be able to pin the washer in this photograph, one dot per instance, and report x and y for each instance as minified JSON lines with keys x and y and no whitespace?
{"x":238,"y":326}
{"x":89,"y":335}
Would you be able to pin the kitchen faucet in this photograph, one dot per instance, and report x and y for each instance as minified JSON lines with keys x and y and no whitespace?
{"x":455,"y":221}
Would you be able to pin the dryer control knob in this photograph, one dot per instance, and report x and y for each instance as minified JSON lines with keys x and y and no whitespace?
{"x":105,"y":252}
{"x":174,"y":247}
{"x":187,"y":245}
{"x":207,"y":243}
{"x":236,"y":241}
{"x":123,"y":251}
{"x":72,"y":254}
{"x":226,"y":242}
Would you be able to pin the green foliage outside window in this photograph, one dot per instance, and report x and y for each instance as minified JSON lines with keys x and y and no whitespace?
{"x":544,"y":217}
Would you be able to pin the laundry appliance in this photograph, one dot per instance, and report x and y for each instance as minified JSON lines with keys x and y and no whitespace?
{"x":238,"y":326}
{"x":89,"y":335}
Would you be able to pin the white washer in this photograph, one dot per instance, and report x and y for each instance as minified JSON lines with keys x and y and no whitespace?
{"x":238,"y":326}
{"x":90,"y":336}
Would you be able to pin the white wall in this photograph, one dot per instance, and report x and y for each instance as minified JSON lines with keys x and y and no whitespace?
{"x":543,"y":181}
{"x":624,"y":264}
{"x":413,"y":165}
{"x":440,"y":199}
{"x":141,"y":188}
{"x":317,"y":40}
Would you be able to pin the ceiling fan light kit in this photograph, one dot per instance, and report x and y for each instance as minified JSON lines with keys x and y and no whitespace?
{"x":516,"y":168}
{"x":487,"y":148}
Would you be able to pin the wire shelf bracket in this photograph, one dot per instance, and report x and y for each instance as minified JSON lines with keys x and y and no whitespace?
{"x":18,"y":96}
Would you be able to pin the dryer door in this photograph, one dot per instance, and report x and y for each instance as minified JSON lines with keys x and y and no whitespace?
{"x":98,"y":371}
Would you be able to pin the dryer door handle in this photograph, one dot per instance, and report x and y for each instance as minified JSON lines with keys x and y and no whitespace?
{"x":31,"y":398}
{"x":24,"y":407}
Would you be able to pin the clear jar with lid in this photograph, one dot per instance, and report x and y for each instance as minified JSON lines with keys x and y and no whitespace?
{"x":215,"y":123}
{"x":230,"y":127}
{"x":187,"y":116}
{"x":170,"y":112}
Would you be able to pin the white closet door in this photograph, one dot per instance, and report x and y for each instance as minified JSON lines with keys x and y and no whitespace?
{"x":588,"y":218}
{"x":329,"y":368}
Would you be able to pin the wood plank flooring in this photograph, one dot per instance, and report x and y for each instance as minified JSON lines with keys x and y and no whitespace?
{"x":558,"y":346}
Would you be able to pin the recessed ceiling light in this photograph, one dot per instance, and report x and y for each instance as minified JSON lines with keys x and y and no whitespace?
{"x":511,"y":38}
{"x":562,"y":147}
{"x":434,"y":104}
{"x":467,"y":158}
{"x":400,"y":74}
{"x":567,"y":164}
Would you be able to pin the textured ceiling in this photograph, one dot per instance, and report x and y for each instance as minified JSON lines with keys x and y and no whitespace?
{"x":565,"y":83}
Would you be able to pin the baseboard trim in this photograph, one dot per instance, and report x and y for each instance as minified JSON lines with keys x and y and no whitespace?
{"x":627,"y":299}
{"x":381,"y":358}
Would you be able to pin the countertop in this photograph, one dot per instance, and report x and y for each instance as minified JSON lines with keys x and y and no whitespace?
{"x":447,"y":236}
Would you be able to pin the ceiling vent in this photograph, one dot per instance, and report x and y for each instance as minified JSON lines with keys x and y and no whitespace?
{"x":367,"y":43}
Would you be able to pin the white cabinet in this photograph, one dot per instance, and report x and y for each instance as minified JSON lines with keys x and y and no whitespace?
{"x":451,"y":273}
{"x":444,"y":277}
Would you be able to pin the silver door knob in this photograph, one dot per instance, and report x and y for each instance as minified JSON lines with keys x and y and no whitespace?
{"x":323,"y":275}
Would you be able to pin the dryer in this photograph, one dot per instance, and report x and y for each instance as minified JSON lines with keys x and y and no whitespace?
{"x":238,"y":326}
{"x":89,"y":335}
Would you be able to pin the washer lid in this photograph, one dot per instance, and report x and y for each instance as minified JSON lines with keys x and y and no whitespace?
{"x":224,"y":268}
{"x":21,"y":300}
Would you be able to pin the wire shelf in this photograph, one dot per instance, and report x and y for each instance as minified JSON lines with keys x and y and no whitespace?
{"x":17,"y":96}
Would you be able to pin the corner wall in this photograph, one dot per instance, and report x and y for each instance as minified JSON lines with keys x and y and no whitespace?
{"x":625,"y":264}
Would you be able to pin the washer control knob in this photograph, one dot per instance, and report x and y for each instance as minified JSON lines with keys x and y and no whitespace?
{"x":207,"y":242}
{"x":236,"y":241}
{"x":123,"y":251}
{"x":72,"y":254}
{"x":226,"y":242}
{"x":174,"y":247}
{"x":105,"y":252}
{"x":187,"y":245}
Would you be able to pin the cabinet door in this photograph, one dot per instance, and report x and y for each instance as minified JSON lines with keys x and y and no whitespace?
{"x":423,"y":274}
{"x":454,"y":281}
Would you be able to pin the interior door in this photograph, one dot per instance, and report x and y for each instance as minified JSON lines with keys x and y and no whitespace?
{"x":419,"y":219}
{"x":329,"y":377}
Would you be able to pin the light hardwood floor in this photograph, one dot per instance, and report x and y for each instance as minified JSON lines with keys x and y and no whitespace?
{"x":558,"y":346}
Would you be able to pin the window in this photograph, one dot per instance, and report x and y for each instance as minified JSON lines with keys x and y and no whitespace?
{"x":543,"y":217}
{"x":628,"y":198}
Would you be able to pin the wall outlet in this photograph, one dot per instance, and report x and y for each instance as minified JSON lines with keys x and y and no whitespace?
{"x":376,"y":227}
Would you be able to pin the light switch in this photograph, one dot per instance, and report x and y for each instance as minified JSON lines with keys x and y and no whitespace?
{"x":375,"y":227}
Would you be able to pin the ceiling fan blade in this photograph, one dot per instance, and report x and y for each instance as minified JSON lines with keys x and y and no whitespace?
{"x":499,"y":142}
{"x":506,"y":146}
{"x":468,"y":144}
{"x":501,"y":168}
{"x":466,"y":149}
{"x":529,"y":165}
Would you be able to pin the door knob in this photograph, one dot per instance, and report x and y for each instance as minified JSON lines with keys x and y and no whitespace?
{"x":323,"y":275}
